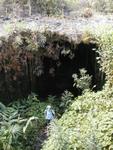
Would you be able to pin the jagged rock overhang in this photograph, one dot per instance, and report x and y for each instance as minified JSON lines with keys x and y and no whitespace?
{"x":29,"y":59}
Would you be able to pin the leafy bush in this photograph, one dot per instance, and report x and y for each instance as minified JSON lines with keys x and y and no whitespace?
{"x":84,"y":81}
{"x":28,"y":108}
{"x":20,"y":123}
{"x":48,"y":7}
{"x":102,"y":5}
{"x":104,"y":39}
{"x":87,"y":125}
{"x":12,"y":128}
{"x":66,"y":100}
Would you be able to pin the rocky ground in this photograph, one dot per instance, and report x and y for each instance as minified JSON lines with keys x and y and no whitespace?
{"x":41,"y":137}
{"x":70,"y":27}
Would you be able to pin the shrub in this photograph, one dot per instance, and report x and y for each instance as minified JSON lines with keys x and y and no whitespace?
{"x":12,"y":128}
{"x":84,"y":81}
{"x":66,"y":100}
{"x":87,"y":125}
{"x":51,"y":7}
{"x":20,"y":123}
{"x":105,"y":6}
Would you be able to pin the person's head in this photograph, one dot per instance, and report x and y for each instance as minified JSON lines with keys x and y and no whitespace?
{"x":48,"y":107}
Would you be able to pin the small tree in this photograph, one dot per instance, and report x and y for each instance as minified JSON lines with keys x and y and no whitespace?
{"x":66,"y":100}
{"x":84,"y":81}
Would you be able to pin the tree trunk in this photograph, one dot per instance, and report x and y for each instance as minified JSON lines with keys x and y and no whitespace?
{"x":30,"y":7}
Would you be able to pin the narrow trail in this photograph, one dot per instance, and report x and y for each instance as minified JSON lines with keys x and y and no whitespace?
{"x":42,"y":136}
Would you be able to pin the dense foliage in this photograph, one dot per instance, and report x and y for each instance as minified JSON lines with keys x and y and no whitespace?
{"x":87,"y":125}
{"x":73,"y":8}
{"x":20,"y":123}
{"x":88,"y":122}
{"x":105,"y":50}
{"x":30,"y":7}
{"x":84,"y":81}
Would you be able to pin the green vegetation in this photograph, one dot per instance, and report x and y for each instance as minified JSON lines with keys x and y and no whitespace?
{"x":82,"y":123}
{"x":88,"y":124}
{"x":66,"y":99}
{"x":55,"y":7}
{"x":84,"y":81}
{"x":20,"y":123}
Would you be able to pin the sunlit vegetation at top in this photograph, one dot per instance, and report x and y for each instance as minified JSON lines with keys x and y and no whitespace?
{"x":55,"y":7}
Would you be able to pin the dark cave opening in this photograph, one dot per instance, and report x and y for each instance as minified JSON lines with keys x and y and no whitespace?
{"x":57,"y":76}
{"x":47,"y":70}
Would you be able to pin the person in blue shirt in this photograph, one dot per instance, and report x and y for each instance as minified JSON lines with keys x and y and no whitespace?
{"x":49,"y":114}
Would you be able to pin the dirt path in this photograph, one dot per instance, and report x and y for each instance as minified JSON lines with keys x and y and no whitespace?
{"x":42,"y":136}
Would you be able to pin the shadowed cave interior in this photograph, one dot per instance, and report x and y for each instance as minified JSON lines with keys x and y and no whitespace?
{"x":57,"y":76}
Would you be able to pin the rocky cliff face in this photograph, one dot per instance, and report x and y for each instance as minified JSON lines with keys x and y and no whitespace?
{"x":44,"y":54}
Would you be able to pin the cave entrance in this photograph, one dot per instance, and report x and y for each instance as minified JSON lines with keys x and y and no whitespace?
{"x":57,"y":76}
